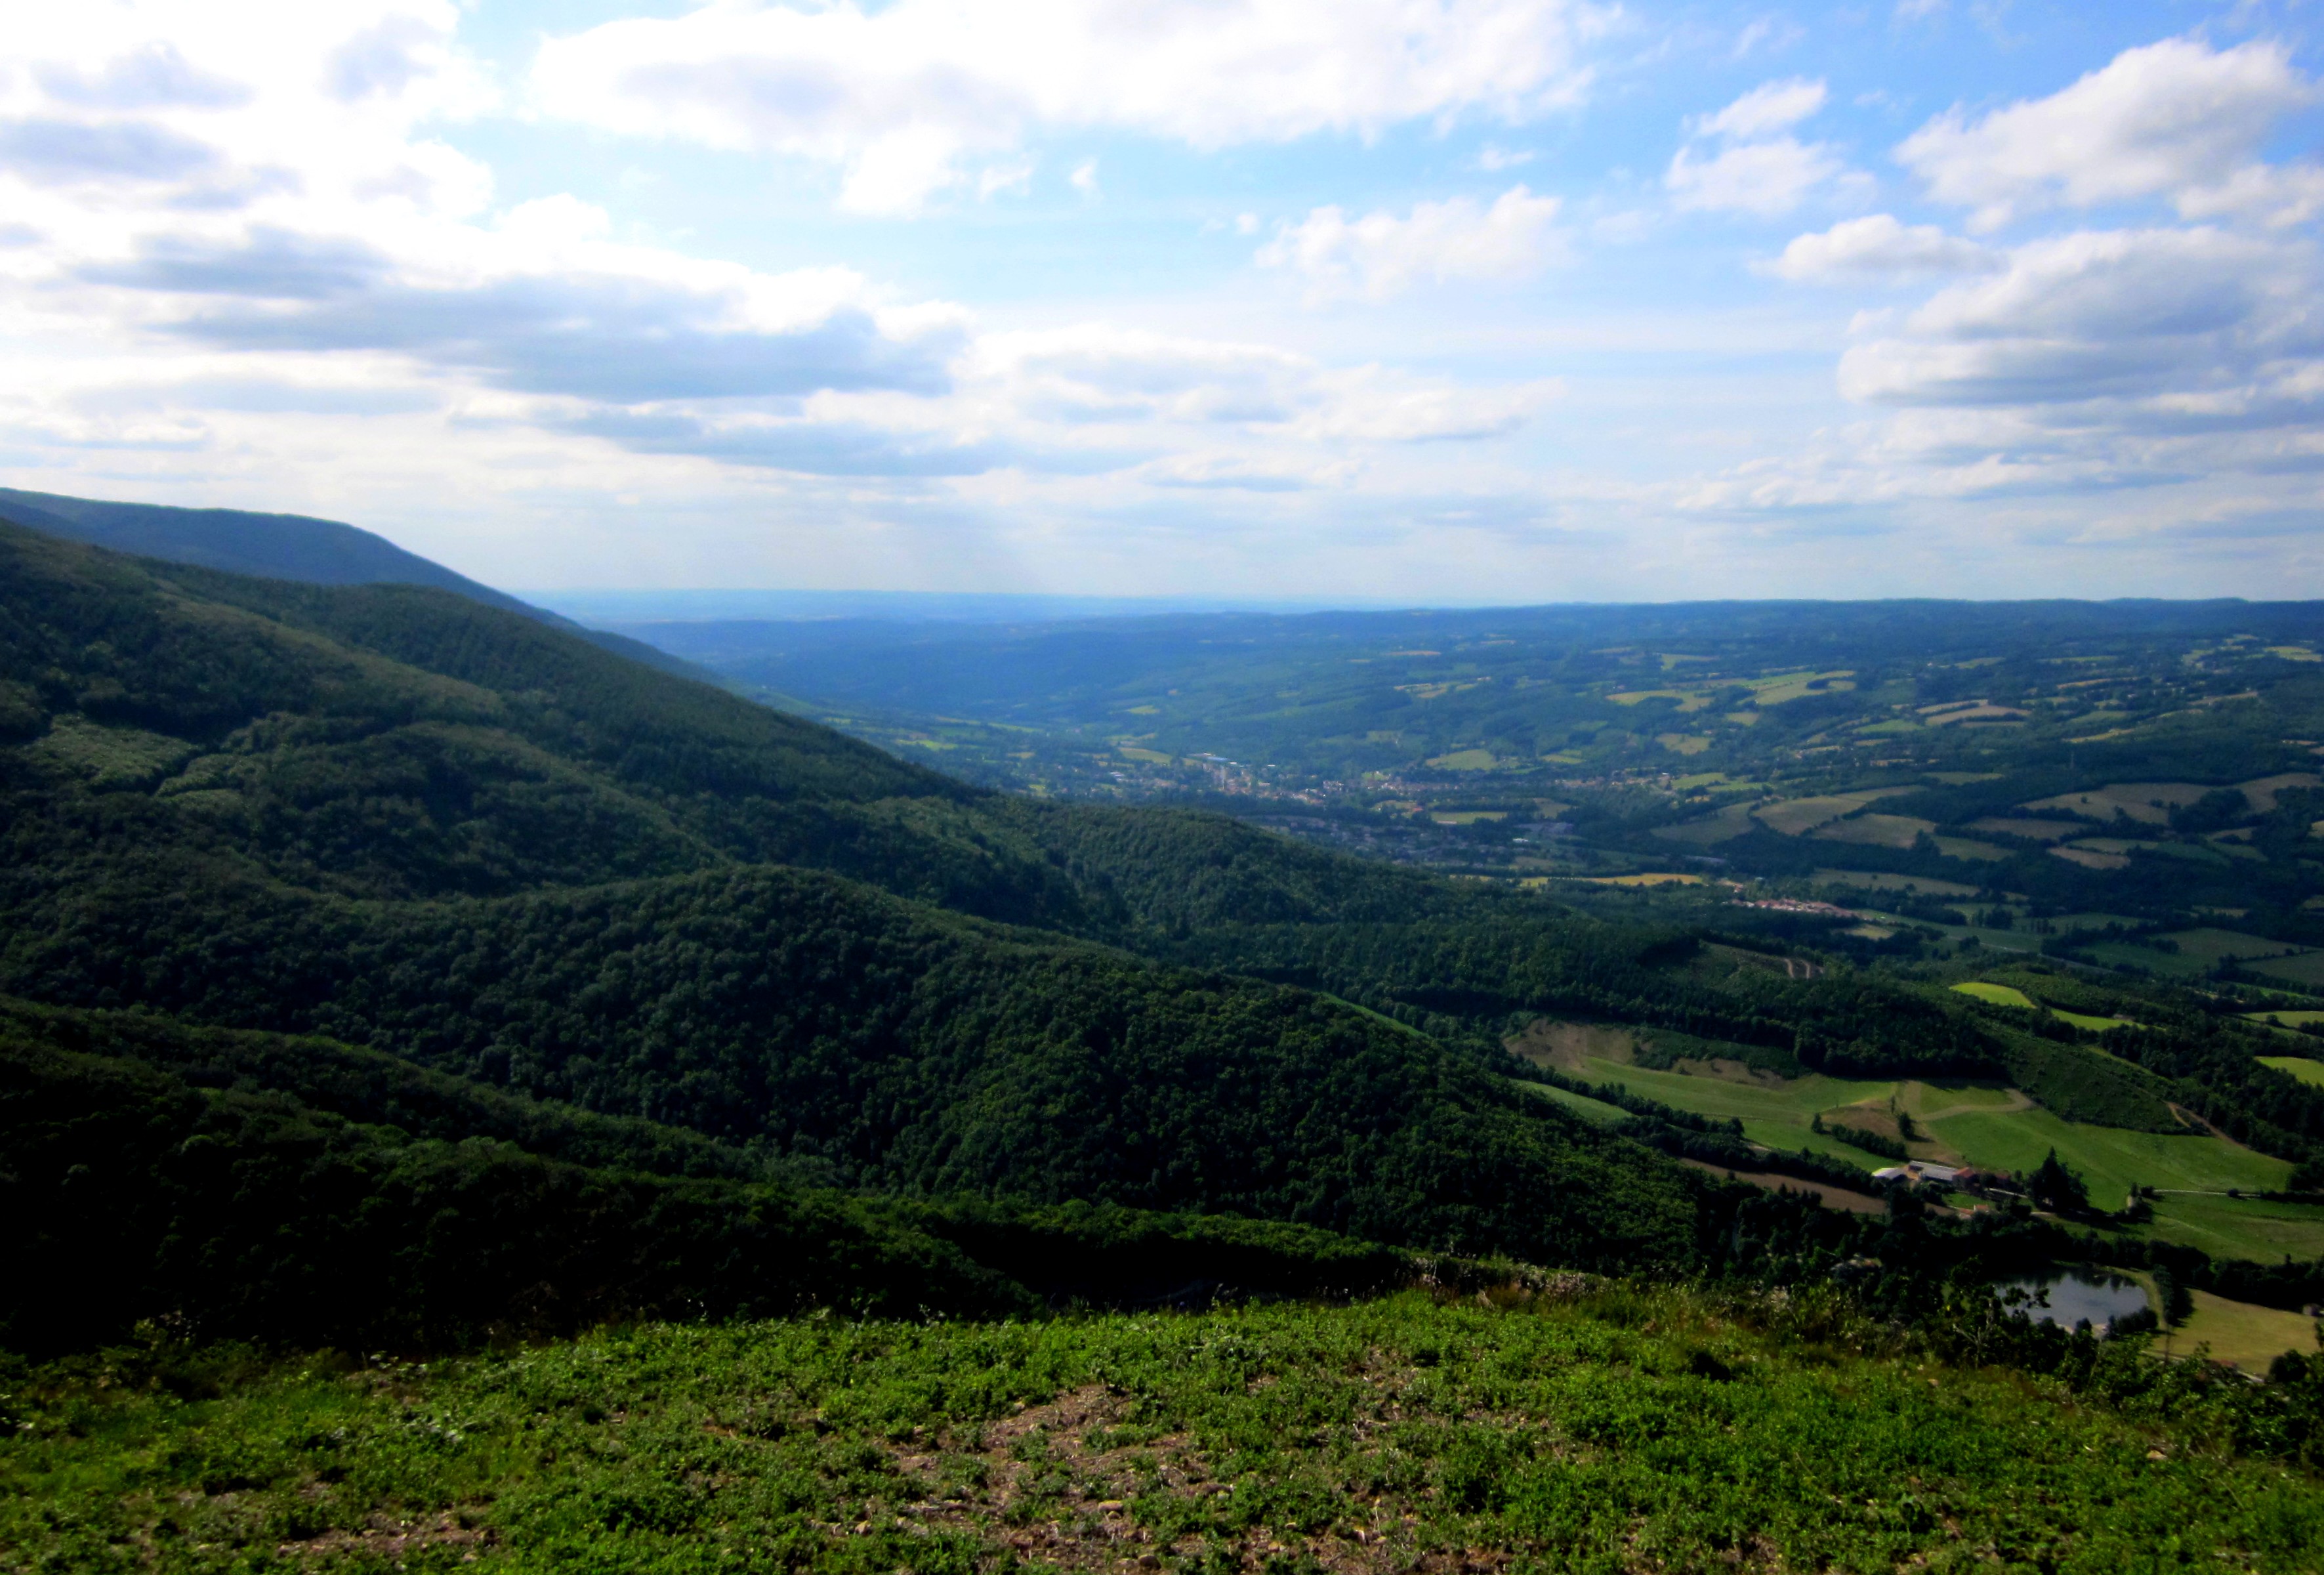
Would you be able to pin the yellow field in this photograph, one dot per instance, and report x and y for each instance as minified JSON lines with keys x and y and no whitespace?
{"x":1688,"y":700}
{"x":1778,"y":688}
{"x":1684,"y":743}
{"x":1977,"y":714}
{"x":1652,"y":878}
{"x":1999,"y":994}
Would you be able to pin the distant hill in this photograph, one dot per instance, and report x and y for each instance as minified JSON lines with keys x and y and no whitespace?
{"x":291,"y":547}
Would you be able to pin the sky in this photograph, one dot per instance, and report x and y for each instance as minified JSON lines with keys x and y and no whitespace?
{"x":1371,"y":300}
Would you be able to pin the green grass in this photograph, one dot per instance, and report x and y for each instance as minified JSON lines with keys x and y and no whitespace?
{"x":2010,"y":996}
{"x":1777,"y":1117}
{"x":1582,"y":1105}
{"x":2236,"y":1332}
{"x":2211,"y":946}
{"x":2161,"y":964}
{"x":2306,"y":969}
{"x":1991,"y":1135}
{"x":1884,"y":881}
{"x":2085,"y":1019}
{"x":2241,"y":1227}
{"x":1606,"y":1430}
{"x":2111,"y":1158}
{"x":1999,"y":994}
{"x":2298,"y":1065}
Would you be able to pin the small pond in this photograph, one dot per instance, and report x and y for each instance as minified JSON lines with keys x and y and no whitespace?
{"x":2075,"y":1295}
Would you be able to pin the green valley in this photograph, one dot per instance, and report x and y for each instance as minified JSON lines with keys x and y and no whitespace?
{"x":398,"y":992}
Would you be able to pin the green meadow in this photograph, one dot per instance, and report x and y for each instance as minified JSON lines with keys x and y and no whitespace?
{"x":1589,"y":1428}
{"x":1997,"y":1128}
{"x":2298,"y":1065}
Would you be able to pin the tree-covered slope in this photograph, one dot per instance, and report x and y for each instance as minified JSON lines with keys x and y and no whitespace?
{"x":273,"y":546}
{"x":413,"y":823}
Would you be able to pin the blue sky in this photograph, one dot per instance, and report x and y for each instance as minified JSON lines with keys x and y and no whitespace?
{"x":1447,"y":301}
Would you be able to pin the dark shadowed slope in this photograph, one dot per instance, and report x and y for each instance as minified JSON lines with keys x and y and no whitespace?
{"x":272,"y":546}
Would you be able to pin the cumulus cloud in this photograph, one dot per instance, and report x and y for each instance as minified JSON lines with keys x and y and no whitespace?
{"x":47,"y":151}
{"x":155,"y":76}
{"x":2175,"y":119}
{"x":899,"y":97}
{"x":1381,"y":255}
{"x":624,"y":336}
{"x":1744,"y":160}
{"x":1877,"y":247}
{"x":2157,"y":318}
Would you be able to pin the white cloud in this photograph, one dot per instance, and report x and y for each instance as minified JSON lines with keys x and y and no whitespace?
{"x":1768,"y":178}
{"x":2175,"y":119}
{"x":2149,"y":317}
{"x":1096,"y":376}
{"x":1379,"y":255}
{"x":1768,"y":109}
{"x":1757,"y":167}
{"x":1877,"y":247}
{"x":912,"y":88}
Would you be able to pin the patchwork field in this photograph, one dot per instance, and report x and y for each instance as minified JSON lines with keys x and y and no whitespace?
{"x":2111,"y":1158}
{"x":1969,"y":848}
{"x":2090,"y":858}
{"x":1883,"y":881}
{"x":1790,"y":686}
{"x":1986,"y":1125}
{"x":1796,"y":817}
{"x":2306,"y":969}
{"x":1974,"y":714}
{"x":1878,"y":830}
{"x":1731,"y":821}
{"x":2214,"y":946}
{"x":2150,"y":802}
{"x":2262,"y":791}
{"x":2031,"y":829}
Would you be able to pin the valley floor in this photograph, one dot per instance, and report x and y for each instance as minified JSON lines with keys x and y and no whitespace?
{"x":1580,"y":1428}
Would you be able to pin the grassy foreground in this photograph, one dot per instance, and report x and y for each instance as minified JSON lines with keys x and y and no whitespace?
{"x":1607,"y":1430}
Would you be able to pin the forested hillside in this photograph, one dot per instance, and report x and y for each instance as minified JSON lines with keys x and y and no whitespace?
{"x":408,"y":821}
{"x":551,"y":892}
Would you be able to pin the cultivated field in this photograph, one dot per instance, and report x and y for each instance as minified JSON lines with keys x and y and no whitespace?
{"x":1878,"y":830}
